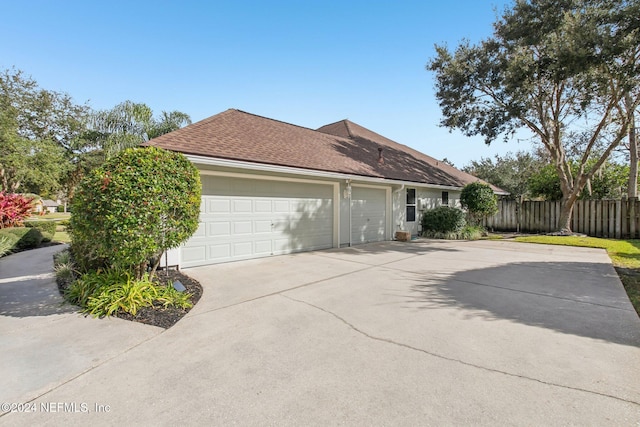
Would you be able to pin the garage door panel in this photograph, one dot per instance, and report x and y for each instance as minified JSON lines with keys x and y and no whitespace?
{"x":263,"y":247}
{"x":242,"y":227}
{"x":218,"y":206}
{"x":368,"y":215}
{"x":220,"y":251}
{"x":201,"y":231}
{"x":262,"y":226}
{"x":281,"y":206}
{"x":242,"y":206}
{"x":263,"y":206}
{"x":244,"y":218}
{"x":219,"y":228}
{"x":194,"y":254}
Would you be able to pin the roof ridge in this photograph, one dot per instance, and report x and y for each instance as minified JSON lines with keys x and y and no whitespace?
{"x":273,"y":120}
{"x":346,"y":124}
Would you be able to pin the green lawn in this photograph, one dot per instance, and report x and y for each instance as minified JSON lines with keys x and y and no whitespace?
{"x":62,"y":236}
{"x":625,"y":255}
{"x":58,"y":216}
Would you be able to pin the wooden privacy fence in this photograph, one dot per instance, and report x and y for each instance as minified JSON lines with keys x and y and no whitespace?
{"x":618,"y":219}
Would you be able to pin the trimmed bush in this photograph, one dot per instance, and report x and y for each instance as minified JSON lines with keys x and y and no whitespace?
{"x":136,"y":205}
{"x":23,"y":237}
{"x":6,"y":244}
{"x":479,"y":200}
{"x":443,"y":219}
{"x":47,"y":228}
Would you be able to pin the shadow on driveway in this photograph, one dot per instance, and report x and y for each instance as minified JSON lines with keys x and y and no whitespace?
{"x":583,"y":299}
{"x":27,"y":284}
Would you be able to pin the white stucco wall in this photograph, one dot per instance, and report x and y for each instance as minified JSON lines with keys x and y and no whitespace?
{"x":426,"y":198}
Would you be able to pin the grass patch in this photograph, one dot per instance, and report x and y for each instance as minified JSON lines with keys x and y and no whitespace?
{"x":625,"y":255}
{"x":62,"y":236}
{"x":52,"y":216}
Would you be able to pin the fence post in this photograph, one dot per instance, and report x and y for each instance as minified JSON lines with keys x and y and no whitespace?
{"x":632,"y":216}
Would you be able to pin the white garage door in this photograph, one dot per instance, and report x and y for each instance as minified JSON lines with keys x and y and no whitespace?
{"x":246,"y":218}
{"x":368,"y":215}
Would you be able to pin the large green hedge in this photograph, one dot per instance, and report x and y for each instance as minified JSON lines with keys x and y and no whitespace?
{"x":137,"y":204}
{"x":22,"y":237}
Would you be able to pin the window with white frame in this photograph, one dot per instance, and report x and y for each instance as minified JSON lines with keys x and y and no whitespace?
{"x":411,"y":204}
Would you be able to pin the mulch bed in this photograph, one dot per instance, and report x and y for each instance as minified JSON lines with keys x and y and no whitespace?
{"x":166,"y":317}
{"x":159,"y":315}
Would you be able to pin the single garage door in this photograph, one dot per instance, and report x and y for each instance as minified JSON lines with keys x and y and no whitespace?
{"x":368,"y":215}
{"x":247,"y":218}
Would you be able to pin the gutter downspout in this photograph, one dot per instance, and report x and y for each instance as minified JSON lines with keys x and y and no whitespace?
{"x":349,"y":197}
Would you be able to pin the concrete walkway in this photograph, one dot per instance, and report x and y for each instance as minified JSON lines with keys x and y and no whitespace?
{"x":43,"y":341}
{"x":425,"y":333}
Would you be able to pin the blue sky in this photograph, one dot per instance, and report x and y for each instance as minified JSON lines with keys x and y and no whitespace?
{"x":304,"y":62}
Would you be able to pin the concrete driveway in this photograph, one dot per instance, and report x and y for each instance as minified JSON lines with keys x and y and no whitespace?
{"x":422,"y":333}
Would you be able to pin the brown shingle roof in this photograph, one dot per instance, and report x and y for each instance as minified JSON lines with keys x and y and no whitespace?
{"x":342,"y":147}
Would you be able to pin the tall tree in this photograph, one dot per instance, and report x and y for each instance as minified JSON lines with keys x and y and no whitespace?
{"x":129,"y":124}
{"x":560,"y":68}
{"x":510,"y":172}
{"x":40,"y":133}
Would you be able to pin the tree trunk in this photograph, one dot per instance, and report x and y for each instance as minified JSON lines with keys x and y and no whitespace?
{"x":566,"y":209}
{"x":632,"y":187}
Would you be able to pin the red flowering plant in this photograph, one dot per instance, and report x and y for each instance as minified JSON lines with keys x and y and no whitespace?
{"x":14,"y":209}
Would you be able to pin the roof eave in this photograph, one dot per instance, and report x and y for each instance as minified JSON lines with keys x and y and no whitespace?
{"x":264,"y":167}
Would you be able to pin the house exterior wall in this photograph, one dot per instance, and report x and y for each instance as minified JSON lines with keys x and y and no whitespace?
{"x":426,"y":198}
{"x":351,"y":209}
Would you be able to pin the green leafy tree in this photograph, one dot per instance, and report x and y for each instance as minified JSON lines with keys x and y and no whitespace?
{"x":479,"y":200}
{"x":40,"y":130}
{"x":560,"y":68}
{"x":510,"y":172}
{"x":609,"y":182}
{"x":126,"y":125}
{"x":136,"y":205}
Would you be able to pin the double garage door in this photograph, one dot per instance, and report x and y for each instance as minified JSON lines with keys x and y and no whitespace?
{"x":248,"y":218}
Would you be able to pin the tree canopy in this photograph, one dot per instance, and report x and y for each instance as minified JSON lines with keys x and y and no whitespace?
{"x":39,"y":132}
{"x":48,"y":142}
{"x":562,"y":69}
{"x":129,"y":124}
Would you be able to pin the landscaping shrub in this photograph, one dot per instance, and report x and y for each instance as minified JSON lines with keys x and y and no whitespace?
{"x":6,"y":244}
{"x":14,"y":209}
{"x":136,"y":205}
{"x":128,"y":296}
{"x":91,"y":283}
{"x":23,"y":237}
{"x":479,"y":200}
{"x":64,"y":268}
{"x":105,"y":293}
{"x":47,"y":228}
{"x":443,"y":219}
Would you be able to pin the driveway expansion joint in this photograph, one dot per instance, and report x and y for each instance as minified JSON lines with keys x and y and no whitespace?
{"x":459,"y":361}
